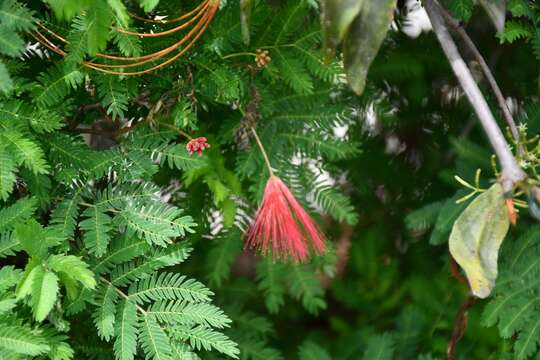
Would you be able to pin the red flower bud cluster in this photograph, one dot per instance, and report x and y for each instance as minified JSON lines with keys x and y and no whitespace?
{"x":197,"y":145}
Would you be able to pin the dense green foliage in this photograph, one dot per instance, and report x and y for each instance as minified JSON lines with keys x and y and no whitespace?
{"x":115,"y":242}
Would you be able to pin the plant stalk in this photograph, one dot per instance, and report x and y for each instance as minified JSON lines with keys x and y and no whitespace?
{"x":511,"y":173}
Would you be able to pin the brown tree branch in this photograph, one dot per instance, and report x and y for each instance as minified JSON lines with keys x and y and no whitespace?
{"x":511,"y":173}
{"x":458,"y":28}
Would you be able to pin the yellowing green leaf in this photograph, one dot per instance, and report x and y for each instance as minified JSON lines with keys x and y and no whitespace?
{"x":476,"y":237}
{"x":364,"y":38}
{"x":337,"y":16}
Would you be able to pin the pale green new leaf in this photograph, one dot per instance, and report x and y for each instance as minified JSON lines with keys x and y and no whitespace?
{"x":44,"y":293}
{"x":74,"y":268}
{"x":22,"y":340}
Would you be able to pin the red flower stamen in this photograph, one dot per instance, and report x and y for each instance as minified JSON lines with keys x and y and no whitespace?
{"x":282,"y":226}
{"x":197,"y":145}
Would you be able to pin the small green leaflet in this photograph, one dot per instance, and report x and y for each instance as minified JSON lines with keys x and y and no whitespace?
{"x":476,"y":237}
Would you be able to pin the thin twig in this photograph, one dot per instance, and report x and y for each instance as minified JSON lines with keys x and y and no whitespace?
{"x":511,"y":174}
{"x":456,"y":25}
{"x":122,"y":294}
{"x":261,"y":147}
{"x":460,"y":325}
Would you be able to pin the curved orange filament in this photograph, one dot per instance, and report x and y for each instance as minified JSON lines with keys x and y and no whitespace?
{"x":205,"y":12}
{"x":166,"y":32}
{"x":133,"y":58}
{"x":153,"y":21}
{"x":166,"y":51}
{"x":199,"y":29}
{"x":166,"y":62}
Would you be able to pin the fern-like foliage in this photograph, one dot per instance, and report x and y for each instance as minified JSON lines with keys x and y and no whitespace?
{"x":512,"y":308}
{"x":524,"y":25}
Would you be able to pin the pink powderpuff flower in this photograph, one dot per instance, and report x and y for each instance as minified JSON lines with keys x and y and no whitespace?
{"x":197,"y":145}
{"x":282,"y":226}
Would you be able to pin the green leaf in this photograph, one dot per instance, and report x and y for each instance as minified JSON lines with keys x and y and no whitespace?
{"x":22,"y":340}
{"x":476,"y":237}
{"x":74,"y":268}
{"x":462,"y":9}
{"x":63,"y":217}
{"x":17,"y":213}
{"x":311,"y":351}
{"x":7,"y":305}
{"x":201,"y":337}
{"x":11,"y":44}
{"x":66,"y":9}
{"x":304,"y":285}
{"x":120,"y":12}
{"x":154,"y":341}
{"x":446,"y":217}
{"x":31,"y":236}
{"x":7,"y":172}
{"x":98,"y":22}
{"x":514,"y":30}
{"x":126,"y":331}
{"x":55,"y":84}
{"x":168,"y":286}
{"x":364,"y":38}
{"x":16,"y":16}
{"x":114,"y":94}
{"x":186,"y":313}
{"x":96,"y":227}
{"x":104,"y":317}
{"x":380,"y":347}
{"x":337,"y":17}
{"x":9,"y":277}
{"x":31,"y":270}
{"x":148,"y":5}
{"x":221,"y":256}
{"x":25,"y":151}
{"x":44,"y":293}
{"x":6,"y":83}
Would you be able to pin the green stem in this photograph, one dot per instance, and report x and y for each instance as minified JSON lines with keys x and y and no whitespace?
{"x":264,"y":154}
{"x":239,"y":54}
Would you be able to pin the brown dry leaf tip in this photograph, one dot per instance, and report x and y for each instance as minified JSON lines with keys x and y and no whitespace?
{"x":512,"y":213}
{"x":262,"y":58}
